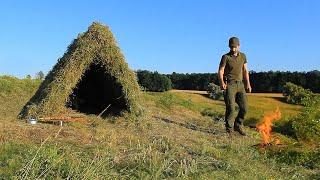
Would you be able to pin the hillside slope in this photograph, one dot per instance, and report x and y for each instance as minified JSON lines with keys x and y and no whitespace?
{"x":174,"y":139}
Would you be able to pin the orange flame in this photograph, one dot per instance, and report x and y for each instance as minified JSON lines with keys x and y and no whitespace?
{"x":266,"y":126}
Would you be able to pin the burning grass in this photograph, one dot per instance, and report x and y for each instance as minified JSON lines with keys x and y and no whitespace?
{"x":265,"y":127}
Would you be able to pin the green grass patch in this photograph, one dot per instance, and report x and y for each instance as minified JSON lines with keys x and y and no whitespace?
{"x":155,"y":150}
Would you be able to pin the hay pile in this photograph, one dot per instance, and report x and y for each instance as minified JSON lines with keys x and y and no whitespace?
{"x":92,"y":76}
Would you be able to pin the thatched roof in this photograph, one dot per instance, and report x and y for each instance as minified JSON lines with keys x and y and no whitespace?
{"x":93,"y":53}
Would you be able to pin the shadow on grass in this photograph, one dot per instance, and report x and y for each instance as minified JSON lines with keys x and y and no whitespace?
{"x":208,"y":96}
{"x":285,"y":128}
{"x":205,"y":95}
{"x":251,"y":122}
{"x":187,"y":125}
{"x":281,"y":99}
{"x":216,"y":116}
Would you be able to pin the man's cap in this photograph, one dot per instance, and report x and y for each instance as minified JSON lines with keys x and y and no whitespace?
{"x":234,"y":41}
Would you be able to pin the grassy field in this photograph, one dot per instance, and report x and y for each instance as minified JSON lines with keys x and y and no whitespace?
{"x":179,"y":136}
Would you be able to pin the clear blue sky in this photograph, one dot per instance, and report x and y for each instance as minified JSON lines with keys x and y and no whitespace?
{"x":164,"y":35}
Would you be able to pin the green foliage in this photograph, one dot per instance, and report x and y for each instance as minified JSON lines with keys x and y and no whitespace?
{"x":104,"y":150}
{"x":187,"y":103}
{"x":313,"y":79}
{"x":307,"y":124}
{"x":153,"y":81}
{"x":297,"y":156}
{"x":192,"y":81}
{"x":11,"y":157}
{"x":214,"y":91}
{"x":285,"y":127}
{"x":167,"y":100}
{"x":262,"y":82}
{"x":23,"y":161}
{"x":11,"y":85}
{"x":296,"y":94}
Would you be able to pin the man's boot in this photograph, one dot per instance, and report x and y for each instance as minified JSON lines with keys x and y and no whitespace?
{"x":229,"y":131}
{"x":240,"y":130}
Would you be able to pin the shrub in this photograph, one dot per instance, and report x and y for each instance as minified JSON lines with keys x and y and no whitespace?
{"x":12,"y":86}
{"x":214,"y":91}
{"x":153,"y":81}
{"x":294,"y":156}
{"x":296,"y":94}
{"x":166,"y":100}
{"x":307,"y":124}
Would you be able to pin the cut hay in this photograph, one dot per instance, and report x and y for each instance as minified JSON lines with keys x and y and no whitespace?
{"x":92,"y":77}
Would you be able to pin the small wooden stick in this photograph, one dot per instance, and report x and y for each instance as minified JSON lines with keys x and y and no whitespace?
{"x":104,"y":110}
{"x":62,"y":118}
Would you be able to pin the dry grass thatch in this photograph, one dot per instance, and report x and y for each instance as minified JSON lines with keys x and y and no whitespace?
{"x":92,"y":77}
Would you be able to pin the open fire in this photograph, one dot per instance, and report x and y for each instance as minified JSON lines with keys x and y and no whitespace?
{"x":265,"y":127}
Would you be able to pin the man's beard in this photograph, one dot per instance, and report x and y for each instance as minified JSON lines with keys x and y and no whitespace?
{"x":234,"y":52}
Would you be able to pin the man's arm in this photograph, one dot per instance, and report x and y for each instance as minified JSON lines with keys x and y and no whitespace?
{"x":246,"y":77}
{"x":222,"y":65}
{"x":223,"y":85}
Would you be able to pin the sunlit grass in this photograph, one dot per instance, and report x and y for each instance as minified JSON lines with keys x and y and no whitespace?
{"x":259,"y":104}
{"x":175,"y":140}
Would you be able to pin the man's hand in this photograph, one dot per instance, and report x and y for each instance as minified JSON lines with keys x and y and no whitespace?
{"x":248,"y":89}
{"x":223,"y":86}
{"x":246,"y":77}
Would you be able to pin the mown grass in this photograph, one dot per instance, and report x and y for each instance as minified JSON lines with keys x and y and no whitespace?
{"x":175,"y":139}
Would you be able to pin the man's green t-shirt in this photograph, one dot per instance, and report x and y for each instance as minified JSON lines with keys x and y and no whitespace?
{"x":233,"y":66}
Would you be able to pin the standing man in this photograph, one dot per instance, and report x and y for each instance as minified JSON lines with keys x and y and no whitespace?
{"x":232,"y":70}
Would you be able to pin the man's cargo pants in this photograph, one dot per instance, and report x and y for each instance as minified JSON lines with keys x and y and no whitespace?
{"x":235,"y":94}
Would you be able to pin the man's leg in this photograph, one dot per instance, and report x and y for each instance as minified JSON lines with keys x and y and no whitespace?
{"x":229,"y":98}
{"x":241,"y":100}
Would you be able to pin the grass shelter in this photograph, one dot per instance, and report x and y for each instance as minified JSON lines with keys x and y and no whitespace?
{"x":92,"y":77}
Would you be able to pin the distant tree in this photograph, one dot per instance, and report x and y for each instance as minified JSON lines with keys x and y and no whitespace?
{"x":267,"y":82}
{"x":153,"y":81}
{"x":28,"y":76}
{"x":193,"y":81}
{"x":313,"y":81}
{"x":40,"y":75}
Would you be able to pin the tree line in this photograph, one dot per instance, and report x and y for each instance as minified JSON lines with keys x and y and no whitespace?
{"x":262,"y":82}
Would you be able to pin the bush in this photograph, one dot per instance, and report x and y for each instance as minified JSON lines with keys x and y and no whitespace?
{"x":295,"y":156}
{"x":10,"y":85}
{"x":153,"y":81}
{"x":214,"y":91}
{"x":296,"y":94}
{"x":307,"y":124}
{"x":166,"y":100}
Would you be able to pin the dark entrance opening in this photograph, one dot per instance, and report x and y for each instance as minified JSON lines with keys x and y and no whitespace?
{"x":97,"y":93}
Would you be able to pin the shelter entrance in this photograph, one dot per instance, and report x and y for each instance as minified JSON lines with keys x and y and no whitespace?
{"x":97,"y":92}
